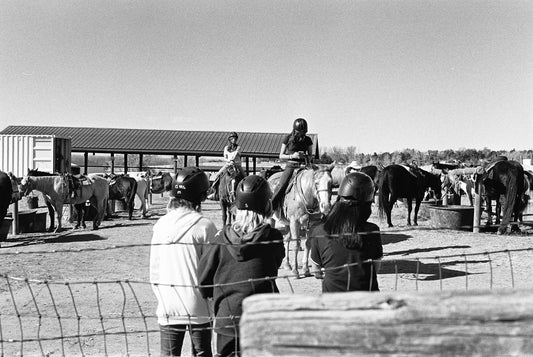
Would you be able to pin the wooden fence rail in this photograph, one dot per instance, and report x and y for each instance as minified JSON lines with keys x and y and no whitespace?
{"x":468,"y":323}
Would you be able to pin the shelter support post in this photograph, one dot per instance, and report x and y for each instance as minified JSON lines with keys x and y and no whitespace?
{"x":247,"y":165}
{"x":175,"y":166}
{"x":85,"y":162}
{"x":125,"y":163}
{"x":140,"y":162}
{"x":197,"y":161}
{"x":254,"y":163}
{"x":112,"y":162}
{"x":185,"y":157}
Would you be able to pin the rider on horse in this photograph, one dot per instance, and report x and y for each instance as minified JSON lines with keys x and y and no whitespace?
{"x":232,"y":155}
{"x":297,"y":149}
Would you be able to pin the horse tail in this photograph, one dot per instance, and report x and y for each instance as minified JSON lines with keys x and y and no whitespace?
{"x":514,"y":189}
{"x":133,"y":192}
{"x":382,"y":192}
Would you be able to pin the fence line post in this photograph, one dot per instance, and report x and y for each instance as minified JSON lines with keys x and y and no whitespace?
{"x":477,"y":208}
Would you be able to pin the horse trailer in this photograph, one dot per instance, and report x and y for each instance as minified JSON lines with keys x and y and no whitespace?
{"x":20,"y":153}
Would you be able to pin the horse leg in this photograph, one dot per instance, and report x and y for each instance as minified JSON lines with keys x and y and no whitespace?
{"x":388,"y":208}
{"x":417,"y":207}
{"x":101,"y":208}
{"x":287,"y":241}
{"x":131,"y":207}
{"x":307,"y":251}
{"x":51,"y":213}
{"x":295,"y":234}
{"x":59,"y":215}
{"x":409,"y":209}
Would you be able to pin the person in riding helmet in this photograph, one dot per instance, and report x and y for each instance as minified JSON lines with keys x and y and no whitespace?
{"x":232,"y":155}
{"x":297,"y":150}
{"x":248,"y":249}
{"x":179,"y":239}
{"x":345,"y":240}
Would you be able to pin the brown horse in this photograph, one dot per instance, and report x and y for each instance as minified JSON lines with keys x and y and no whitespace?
{"x":306,"y":200}
{"x":56,"y":191}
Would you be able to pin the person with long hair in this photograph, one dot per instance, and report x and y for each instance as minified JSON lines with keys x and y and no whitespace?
{"x":179,"y":239}
{"x":343,"y":245}
{"x":297,"y":150}
{"x":247,"y":249}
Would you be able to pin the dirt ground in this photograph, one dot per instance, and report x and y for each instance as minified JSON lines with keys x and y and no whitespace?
{"x":91,"y":287}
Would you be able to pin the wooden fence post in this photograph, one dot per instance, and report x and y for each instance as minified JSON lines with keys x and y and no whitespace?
{"x":456,"y":323}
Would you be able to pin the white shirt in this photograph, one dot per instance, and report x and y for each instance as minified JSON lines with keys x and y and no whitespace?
{"x":177,"y":264}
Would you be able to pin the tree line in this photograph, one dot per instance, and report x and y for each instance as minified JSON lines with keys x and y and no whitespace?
{"x":469,"y":157}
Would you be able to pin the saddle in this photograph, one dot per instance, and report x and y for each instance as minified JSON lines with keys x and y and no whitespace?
{"x":76,"y":183}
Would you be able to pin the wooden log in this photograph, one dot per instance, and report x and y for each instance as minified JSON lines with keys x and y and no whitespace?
{"x":463,"y":323}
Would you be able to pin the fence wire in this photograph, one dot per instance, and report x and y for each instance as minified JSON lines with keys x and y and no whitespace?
{"x":117,"y":317}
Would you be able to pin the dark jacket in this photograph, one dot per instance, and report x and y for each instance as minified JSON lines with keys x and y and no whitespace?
{"x":233,"y":259}
{"x":333,"y":253}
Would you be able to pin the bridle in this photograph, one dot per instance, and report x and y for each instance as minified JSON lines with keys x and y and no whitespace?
{"x":316,"y":193}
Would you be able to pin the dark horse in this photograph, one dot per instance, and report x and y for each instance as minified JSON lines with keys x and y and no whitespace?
{"x":374,"y":172}
{"x":503,"y":181}
{"x":123,"y":188}
{"x":6,"y":194}
{"x":161,"y":182}
{"x":229,"y":179}
{"x":398,"y":182}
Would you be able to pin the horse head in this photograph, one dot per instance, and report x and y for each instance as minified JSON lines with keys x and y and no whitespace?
{"x":161,"y":182}
{"x":434,"y":182}
{"x":322,"y":189}
{"x":25,"y":186}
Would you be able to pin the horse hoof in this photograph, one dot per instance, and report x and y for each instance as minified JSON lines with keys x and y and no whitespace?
{"x":307,"y":273}
{"x":77,"y":227}
{"x":415,"y":224}
{"x":296,"y":273}
{"x":287,"y":267}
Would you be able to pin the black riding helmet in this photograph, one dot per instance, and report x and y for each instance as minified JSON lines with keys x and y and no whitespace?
{"x":233,"y":135}
{"x":191,"y":184}
{"x":300,"y":124}
{"x":253,"y":193}
{"x":358,"y":187}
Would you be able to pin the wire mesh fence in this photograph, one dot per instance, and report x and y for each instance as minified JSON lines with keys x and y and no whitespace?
{"x":47,"y":317}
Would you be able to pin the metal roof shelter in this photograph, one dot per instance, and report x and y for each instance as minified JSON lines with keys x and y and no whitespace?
{"x":161,"y":142}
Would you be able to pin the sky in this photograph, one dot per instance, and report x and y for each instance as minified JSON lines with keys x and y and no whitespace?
{"x":377,"y":75}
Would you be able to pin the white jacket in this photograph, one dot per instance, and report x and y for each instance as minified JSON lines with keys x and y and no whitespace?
{"x":177,"y":264}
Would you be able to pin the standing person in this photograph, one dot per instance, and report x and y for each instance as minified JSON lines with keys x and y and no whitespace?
{"x":248,"y":249}
{"x":346,"y":237}
{"x":178,"y":241}
{"x":297,"y":150}
{"x":232,"y":155}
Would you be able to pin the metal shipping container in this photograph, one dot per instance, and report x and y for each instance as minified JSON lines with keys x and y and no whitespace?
{"x":48,"y":153}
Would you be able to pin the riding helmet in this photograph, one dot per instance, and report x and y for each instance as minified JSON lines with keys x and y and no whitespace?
{"x":253,"y":193}
{"x":300,"y":124}
{"x":191,"y":184}
{"x":233,"y":135}
{"x":357,"y":187}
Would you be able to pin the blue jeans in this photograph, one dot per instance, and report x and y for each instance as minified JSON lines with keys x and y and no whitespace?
{"x":172,"y":339}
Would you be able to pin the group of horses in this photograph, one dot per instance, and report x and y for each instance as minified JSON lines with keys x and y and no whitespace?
{"x":307,"y":199}
{"x":91,"y":194}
